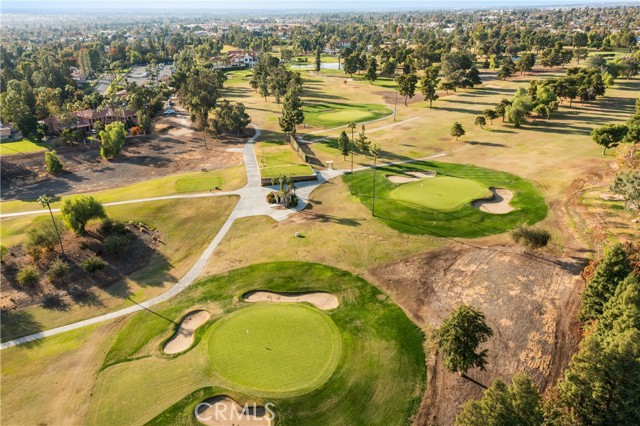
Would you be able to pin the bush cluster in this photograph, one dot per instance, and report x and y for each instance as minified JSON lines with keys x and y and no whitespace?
{"x":92,"y":264}
{"x":530,"y":236}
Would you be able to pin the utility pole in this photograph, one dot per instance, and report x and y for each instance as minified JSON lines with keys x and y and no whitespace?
{"x":45,"y":201}
{"x":395,"y":108}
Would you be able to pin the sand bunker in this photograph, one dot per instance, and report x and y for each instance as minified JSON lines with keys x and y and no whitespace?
{"x":319,"y":299}
{"x":224,"y":411}
{"x":414,"y":177}
{"x":183,"y":338}
{"x":498,"y":204}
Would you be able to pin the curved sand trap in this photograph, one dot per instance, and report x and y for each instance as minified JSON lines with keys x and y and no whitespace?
{"x":319,"y":299}
{"x":183,"y":338}
{"x":498,"y":204}
{"x":224,"y":411}
{"x":415,"y":176}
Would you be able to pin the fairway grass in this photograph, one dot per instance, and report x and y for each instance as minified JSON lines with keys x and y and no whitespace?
{"x":275,"y":348}
{"x":440,"y":193}
{"x":376,"y":350}
{"x":419,"y":212}
{"x":277,"y":158}
{"x":22,"y":146}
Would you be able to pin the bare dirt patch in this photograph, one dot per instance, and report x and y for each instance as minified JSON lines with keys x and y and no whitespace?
{"x":498,"y":203}
{"x":319,"y":299}
{"x":183,"y":337}
{"x":174,"y":147}
{"x":77,"y":284}
{"x":530,"y":301}
{"x":224,"y":411}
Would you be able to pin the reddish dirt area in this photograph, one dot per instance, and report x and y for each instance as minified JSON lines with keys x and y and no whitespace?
{"x":530,"y":301}
{"x":76,"y":286}
{"x":173,"y":147}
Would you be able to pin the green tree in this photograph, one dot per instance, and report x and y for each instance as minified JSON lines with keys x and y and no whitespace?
{"x":501,"y":405}
{"x":78,"y":211}
{"x":429,"y":85}
{"x":53,"y":162}
{"x":459,"y":337}
{"x":457,"y":130}
{"x":344,"y":145}
{"x":612,"y":270}
{"x":113,"y":137}
{"x":609,"y":135}
{"x":318,"y":58}
{"x":45,"y":201}
{"x":627,"y":184}
{"x":407,"y":86}
{"x":292,"y":113}
{"x":372,"y":69}
{"x":480,"y":121}
{"x":490,"y":115}
{"x":521,"y":105}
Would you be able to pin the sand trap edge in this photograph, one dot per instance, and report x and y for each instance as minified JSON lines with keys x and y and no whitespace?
{"x":320,"y":299}
{"x":182,"y":339}
{"x":497,"y":204}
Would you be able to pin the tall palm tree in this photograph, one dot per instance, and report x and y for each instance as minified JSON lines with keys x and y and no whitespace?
{"x":375,"y":151}
{"x":352,"y":126}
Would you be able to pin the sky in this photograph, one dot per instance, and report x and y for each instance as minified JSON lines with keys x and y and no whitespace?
{"x":352,"y":5}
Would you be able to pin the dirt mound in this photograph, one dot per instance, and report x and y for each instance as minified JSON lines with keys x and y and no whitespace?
{"x":530,"y":301}
{"x":224,"y":411}
{"x":497,"y":204}
{"x":319,"y":299}
{"x":183,"y":338}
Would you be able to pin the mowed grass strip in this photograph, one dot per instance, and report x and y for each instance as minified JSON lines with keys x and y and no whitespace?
{"x":332,"y":114}
{"x":413,"y":215}
{"x":275,"y":347}
{"x":277,"y":158}
{"x":22,"y":146}
{"x":379,"y":378}
{"x":227,"y":179}
{"x":440,"y":193}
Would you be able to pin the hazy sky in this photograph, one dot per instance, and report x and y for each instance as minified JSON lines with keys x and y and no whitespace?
{"x":67,"y":5}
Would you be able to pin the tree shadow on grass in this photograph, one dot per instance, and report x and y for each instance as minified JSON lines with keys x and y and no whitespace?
{"x":327,"y":218}
{"x":18,"y":323}
{"x":492,"y":144}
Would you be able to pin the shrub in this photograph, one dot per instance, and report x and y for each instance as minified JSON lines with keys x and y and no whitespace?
{"x":4,"y":251}
{"x":27,"y":276}
{"x":58,"y":270}
{"x":109,"y":226}
{"x":116,"y":245}
{"x":76,"y":212}
{"x":271,"y":198}
{"x":53,"y":162}
{"x":92,"y":264}
{"x":135,"y":131}
{"x":42,"y":236}
{"x":293,"y":201}
{"x":530,"y":236}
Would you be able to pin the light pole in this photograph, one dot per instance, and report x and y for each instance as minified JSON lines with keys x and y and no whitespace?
{"x":352,"y":125}
{"x":45,"y":201}
{"x":395,"y":107}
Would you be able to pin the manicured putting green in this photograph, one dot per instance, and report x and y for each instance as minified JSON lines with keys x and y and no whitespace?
{"x":275,"y":348}
{"x":440,"y":193}
{"x":330,"y":114}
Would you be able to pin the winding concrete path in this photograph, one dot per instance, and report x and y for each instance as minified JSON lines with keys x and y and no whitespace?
{"x":252,"y":203}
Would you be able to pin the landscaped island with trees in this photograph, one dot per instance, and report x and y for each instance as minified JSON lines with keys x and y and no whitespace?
{"x":361,"y":215}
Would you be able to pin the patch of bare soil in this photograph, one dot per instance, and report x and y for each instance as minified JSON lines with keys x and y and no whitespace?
{"x":57,"y":293}
{"x":174,"y":147}
{"x":530,"y":301}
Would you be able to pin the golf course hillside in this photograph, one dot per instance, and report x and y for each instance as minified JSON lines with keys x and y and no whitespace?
{"x":447,"y":199}
{"x":360,"y":360}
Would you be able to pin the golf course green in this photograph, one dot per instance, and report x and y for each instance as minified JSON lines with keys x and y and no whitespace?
{"x":331,"y":114}
{"x":275,"y":347}
{"x":440,"y":193}
{"x":442,"y":205}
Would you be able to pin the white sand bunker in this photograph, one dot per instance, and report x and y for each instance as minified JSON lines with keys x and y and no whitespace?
{"x":497,"y":204}
{"x":319,"y":299}
{"x":183,"y":338}
{"x":414,"y":177}
{"x":224,"y":411}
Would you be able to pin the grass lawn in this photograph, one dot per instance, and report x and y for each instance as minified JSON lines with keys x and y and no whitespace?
{"x":277,"y":158}
{"x":333,"y":114}
{"x":409,"y":210}
{"x":379,"y":378}
{"x":275,"y":347}
{"x":440,"y":193}
{"x":227,"y":179}
{"x":185,"y":234}
{"x":22,"y":146}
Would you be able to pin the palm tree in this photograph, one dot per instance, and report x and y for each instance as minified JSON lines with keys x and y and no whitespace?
{"x":45,"y":201}
{"x":352,"y":126}
{"x":375,"y":150}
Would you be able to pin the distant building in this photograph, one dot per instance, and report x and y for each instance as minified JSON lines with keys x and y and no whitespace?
{"x":6,"y":132}
{"x":85,"y":119}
